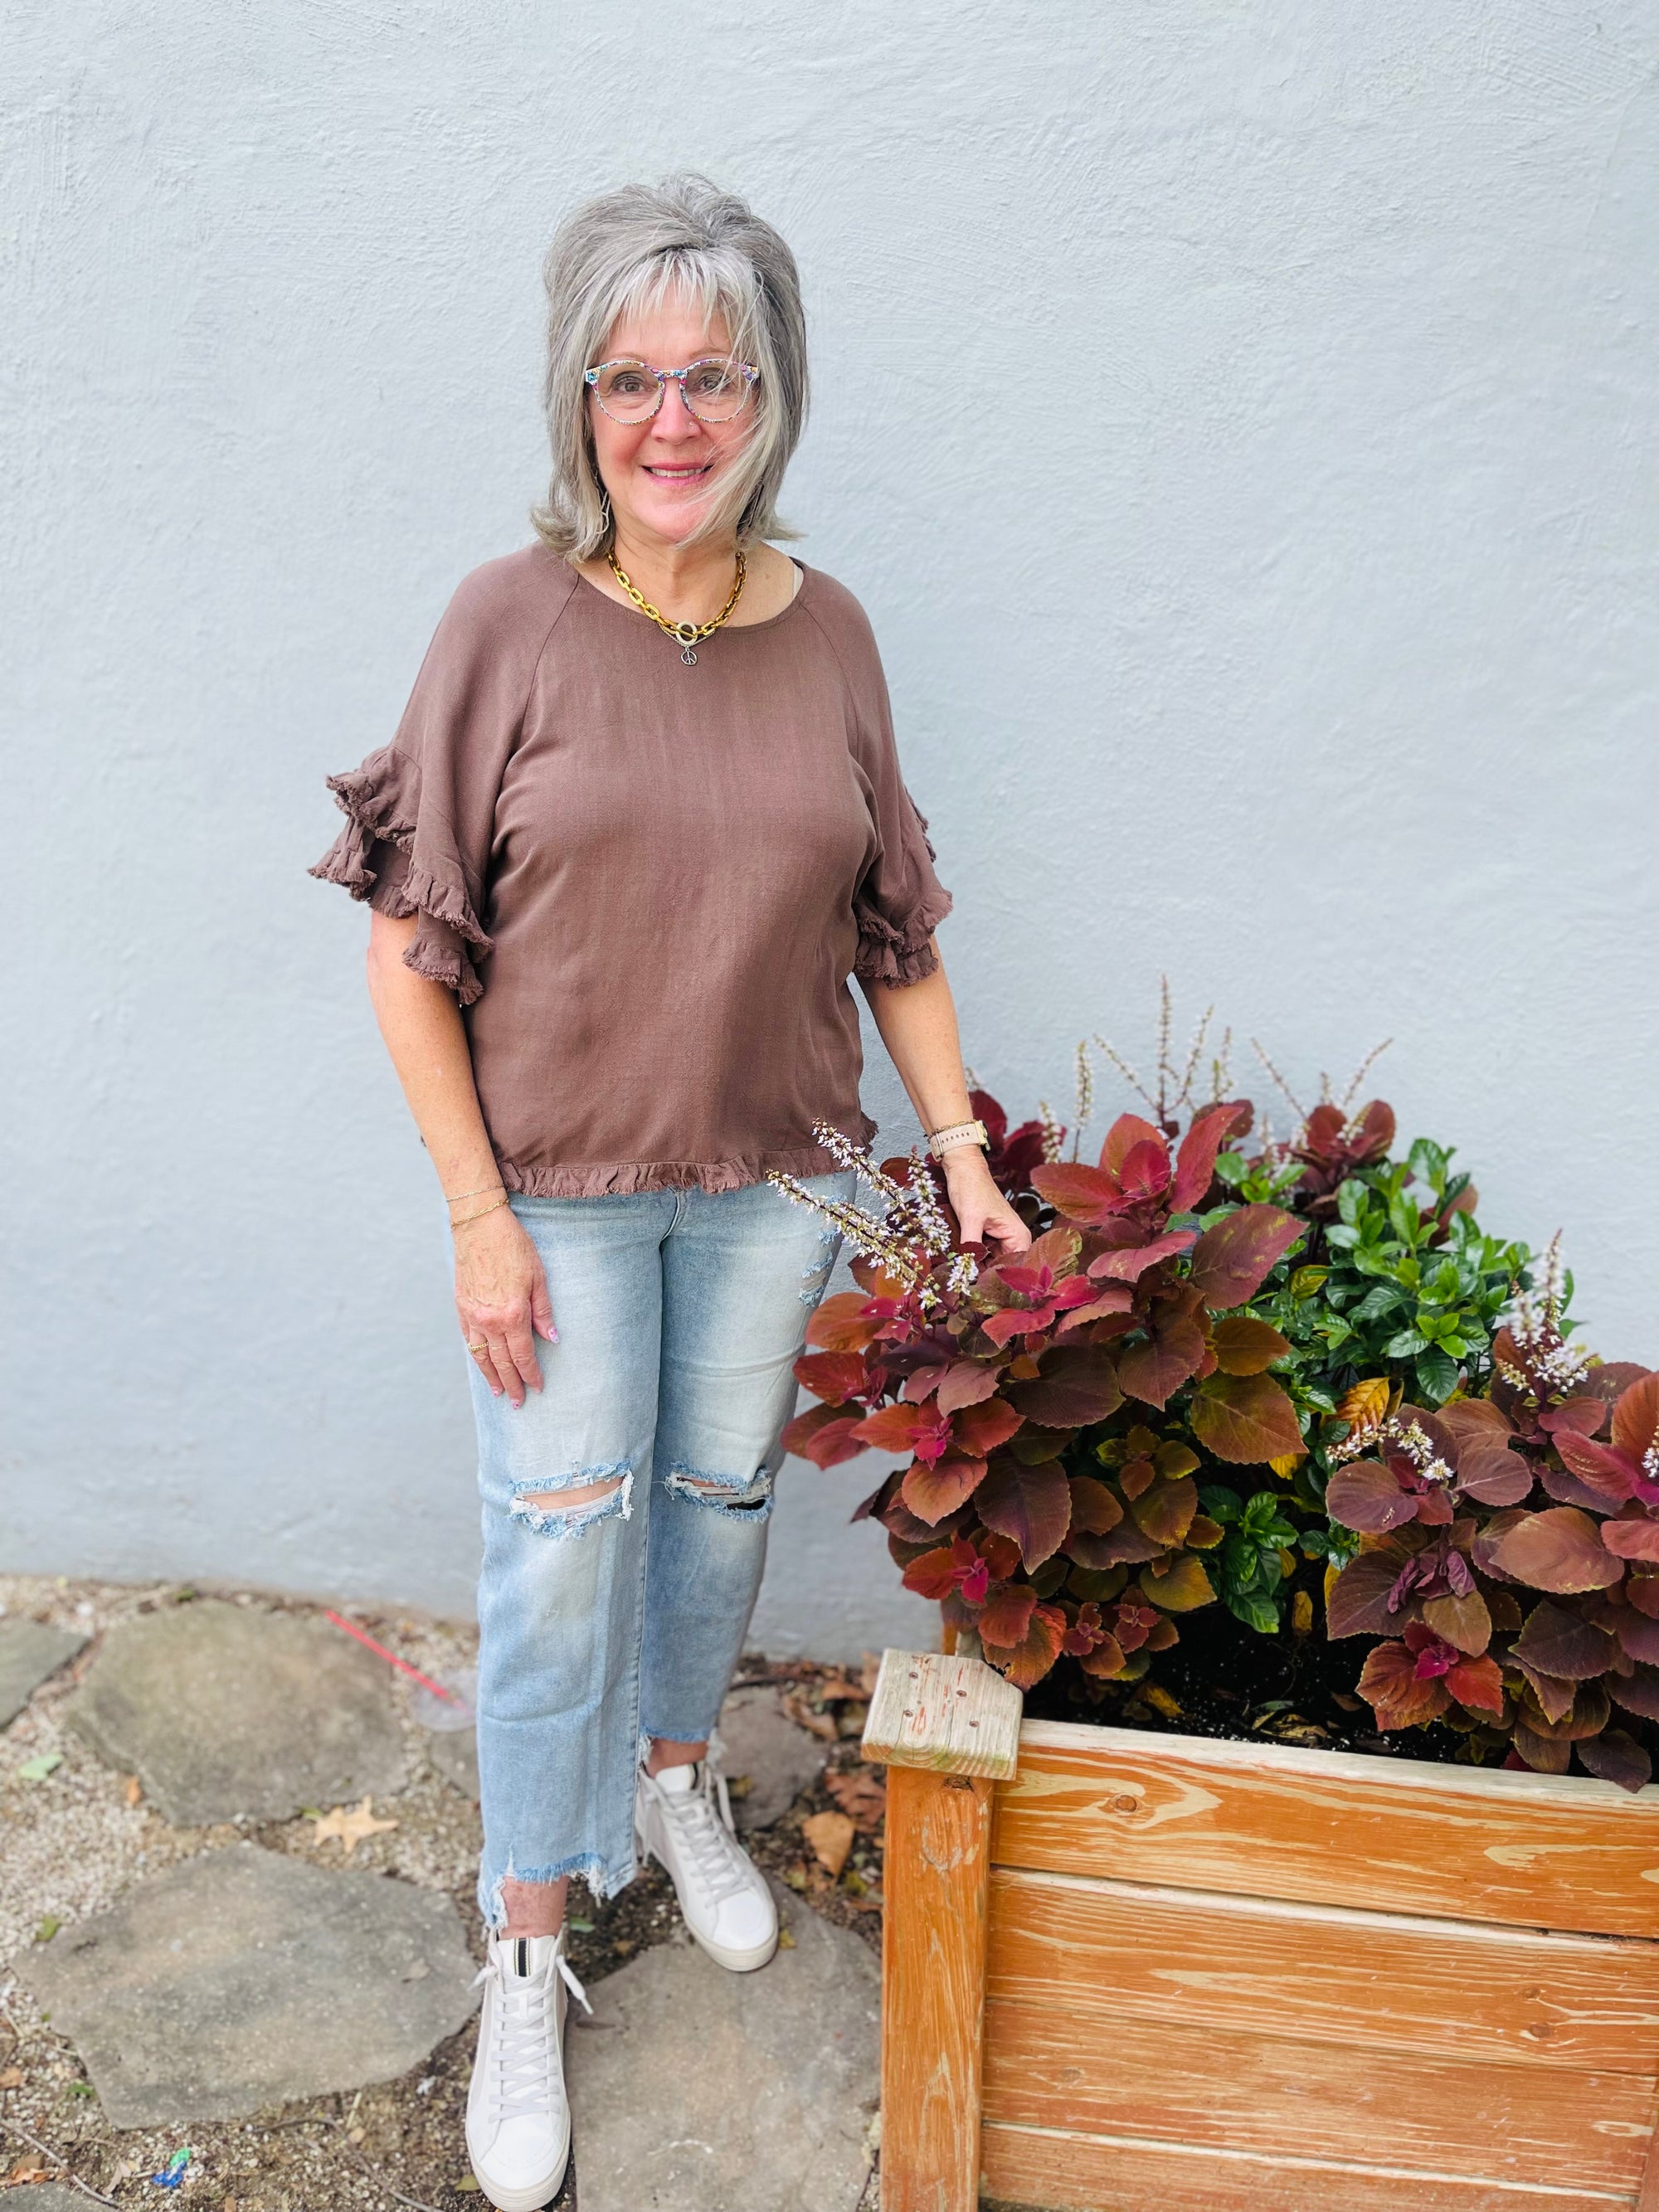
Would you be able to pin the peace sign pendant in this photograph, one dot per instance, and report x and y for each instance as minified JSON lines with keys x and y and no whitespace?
{"x":688,"y":657}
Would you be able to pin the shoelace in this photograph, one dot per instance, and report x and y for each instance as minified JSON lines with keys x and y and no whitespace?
{"x":519,"y":2082}
{"x":706,"y":1839}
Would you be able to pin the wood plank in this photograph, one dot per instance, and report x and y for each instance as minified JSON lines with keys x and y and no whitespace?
{"x":1236,"y":2091}
{"x":951,"y":1716}
{"x":1111,"y":1951}
{"x":1332,"y":1828}
{"x":935,"y":1879}
{"x":1062,"y":2171}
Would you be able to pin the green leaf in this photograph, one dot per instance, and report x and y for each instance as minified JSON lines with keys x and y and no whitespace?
{"x":1258,"y":1612}
{"x":48,"y":1928}
{"x":1342,"y":1236}
{"x":1232,"y":1168}
{"x":1436,"y":1376}
{"x":1405,"y":1345}
{"x":1428,"y":1163}
{"x":1221,"y":1505}
{"x":37,"y":1769}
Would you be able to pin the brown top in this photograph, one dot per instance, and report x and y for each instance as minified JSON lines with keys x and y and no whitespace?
{"x":648,"y":884}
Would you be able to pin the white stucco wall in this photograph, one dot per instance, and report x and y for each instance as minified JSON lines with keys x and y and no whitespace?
{"x":1237,"y":422}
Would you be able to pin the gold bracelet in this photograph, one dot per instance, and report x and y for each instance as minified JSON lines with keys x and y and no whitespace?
{"x":492,"y":1208}
{"x":461,"y":1195}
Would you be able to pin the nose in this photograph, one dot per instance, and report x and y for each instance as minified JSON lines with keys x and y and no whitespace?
{"x":674,"y":419}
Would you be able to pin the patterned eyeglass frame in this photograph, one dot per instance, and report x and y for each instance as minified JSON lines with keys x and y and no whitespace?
{"x":665,"y":376}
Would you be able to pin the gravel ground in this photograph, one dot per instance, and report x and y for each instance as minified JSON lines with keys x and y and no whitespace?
{"x":70,"y":1844}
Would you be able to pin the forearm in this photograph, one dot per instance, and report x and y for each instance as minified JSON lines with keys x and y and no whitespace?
{"x":918,"y":1025}
{"x":424,"y":1034}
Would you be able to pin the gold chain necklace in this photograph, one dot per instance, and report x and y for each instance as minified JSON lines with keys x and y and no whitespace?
{"x":687,"y":636}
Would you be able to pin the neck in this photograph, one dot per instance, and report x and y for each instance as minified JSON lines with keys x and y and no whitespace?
{"x":689,"y":583}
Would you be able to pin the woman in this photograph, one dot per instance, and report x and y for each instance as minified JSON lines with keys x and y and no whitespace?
{"x":622,"y":862}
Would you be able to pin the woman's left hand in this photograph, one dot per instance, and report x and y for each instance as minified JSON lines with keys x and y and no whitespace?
{"x":980,"y":1209}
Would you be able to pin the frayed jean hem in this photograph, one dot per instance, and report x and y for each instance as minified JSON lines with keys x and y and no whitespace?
{"x":585,"y":1866}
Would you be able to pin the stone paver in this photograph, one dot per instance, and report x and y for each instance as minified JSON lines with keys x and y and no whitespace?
{"x":226,"y":1710}
{"x":29,"y":1651}
{"x":454,"y":1752}
{"x":46,"y":2196}
{"x":708,"y":2091}
{"x":779,"y":1758}
{"x":242,"y":1978}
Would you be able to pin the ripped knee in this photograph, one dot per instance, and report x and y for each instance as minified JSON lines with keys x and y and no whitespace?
{"x":586,"y":1496}
{"x":750,"y":1495}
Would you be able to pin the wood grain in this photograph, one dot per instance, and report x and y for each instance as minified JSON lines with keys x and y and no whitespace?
{"x":952,"y":1716}
{"x":1065,"y":2171}
{"x":1115,"y":1953}
{"x":932,"y":1982}
{"x":1332,"y":1828}
{"x":1538,"y":2126}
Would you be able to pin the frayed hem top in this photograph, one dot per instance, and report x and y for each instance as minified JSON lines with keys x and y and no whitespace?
{"x":647,"y":885}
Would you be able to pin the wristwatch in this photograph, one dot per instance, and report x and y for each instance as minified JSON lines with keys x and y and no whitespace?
{"x":941,"y":1141}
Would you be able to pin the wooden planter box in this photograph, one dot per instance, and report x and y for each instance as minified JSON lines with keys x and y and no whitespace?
{"x":1134,"y":1972}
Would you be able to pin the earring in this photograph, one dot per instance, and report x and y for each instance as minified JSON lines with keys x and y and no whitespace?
{"x":604,"y":510}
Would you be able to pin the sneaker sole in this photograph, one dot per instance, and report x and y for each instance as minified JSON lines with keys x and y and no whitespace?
{"x":520,"y":2200}
{"x":735,"y":1962}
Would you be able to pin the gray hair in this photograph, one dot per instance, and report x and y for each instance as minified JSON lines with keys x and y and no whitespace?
{"x":626,"y":251}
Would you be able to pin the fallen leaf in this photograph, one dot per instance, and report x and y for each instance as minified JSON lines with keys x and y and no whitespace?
{"x":830,"y":1835}
{"x":832,"y":1692}
{"x":48,"y":1928}
{"x":37,"y":1769}
{"x":134,"y":1790}
{"x":1302,"y":1613}
{"x":349,"y":1825}
{"x":795,"y":1876}
{"x":1162,"y":1702}
{"x":11,"y":2078}
{"x":785,"y":1941}
{"x":860,"y":1794}
{"x":27,"y":2169}
{"x":465,"y":2187}
{"x":821,"y":1725}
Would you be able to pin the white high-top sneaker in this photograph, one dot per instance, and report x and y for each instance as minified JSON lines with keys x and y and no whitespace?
{"x":683,"y":1822}
{"x":518,"y":2118}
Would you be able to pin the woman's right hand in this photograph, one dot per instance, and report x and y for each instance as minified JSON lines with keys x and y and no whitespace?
{"x":501,"y":1297}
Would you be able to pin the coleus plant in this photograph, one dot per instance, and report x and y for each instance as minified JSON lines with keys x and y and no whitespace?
{"x":1510,"y":1555}
{"x":1056,"y":1408}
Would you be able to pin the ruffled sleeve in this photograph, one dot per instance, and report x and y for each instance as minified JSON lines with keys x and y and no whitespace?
{"x":899,"y":902}
{"x":420,"y":812}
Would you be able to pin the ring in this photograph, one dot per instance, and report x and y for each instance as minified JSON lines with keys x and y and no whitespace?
{"x":479,"y":1349}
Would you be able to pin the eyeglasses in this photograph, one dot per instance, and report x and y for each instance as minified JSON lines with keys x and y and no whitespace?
{"x":715,"y":389}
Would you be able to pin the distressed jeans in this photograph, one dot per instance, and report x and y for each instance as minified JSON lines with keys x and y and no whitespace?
{"x":680,"y":1314}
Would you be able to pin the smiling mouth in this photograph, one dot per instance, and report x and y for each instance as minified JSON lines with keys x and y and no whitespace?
{"x":679,"y":475}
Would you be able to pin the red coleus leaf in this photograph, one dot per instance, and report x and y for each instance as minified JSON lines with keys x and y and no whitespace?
{"x":1145,"y":1171}
{"x":969,"y":1382}
{"x":1246,"y":1346}
{"x":1115,"y":1299}
{"x":843,"y":1323}
{"x":824,"y":1435}
{"x":1581,"y":1415}
{"x":981,"y":1428}
{"x":1087,"y":1194}
{"x":1125,"y":1133}
{"x":934,"y":1574}
{"x":1636,"y":1417}
{"x":1490,"y":1472}
{"x":1195,"y":1161}
{"x":1128,"y":1264}
{"x":1638,"y":1634}
{"x":1232,"y":1261}
{"x":1557,"y":1641}
{"x":1007,"y":1614}
{"x":1637,"y":1693}
{"x":1242,"y":1418}
{"x":1632,"y":1540}
{"x":1031,"y":1659}
{"x":1402,"y":1696}
{"x":1358,"y":1602}
{"x":1464,"y":1620}
{"x":1477,"y":1683}
{"x":1032,"y":1505}
{"x":933,"y":1492}
{"x":1616,"y":1756}
{"x":1559,"y":1550}
{"x":1367,"y":1496}
{"x":1154,"y":1369}
{"x":919,"y":1429}
{"x":1610,"y":1474}
{"x":834,"y":1376}
{"x":1076,"y":1383}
